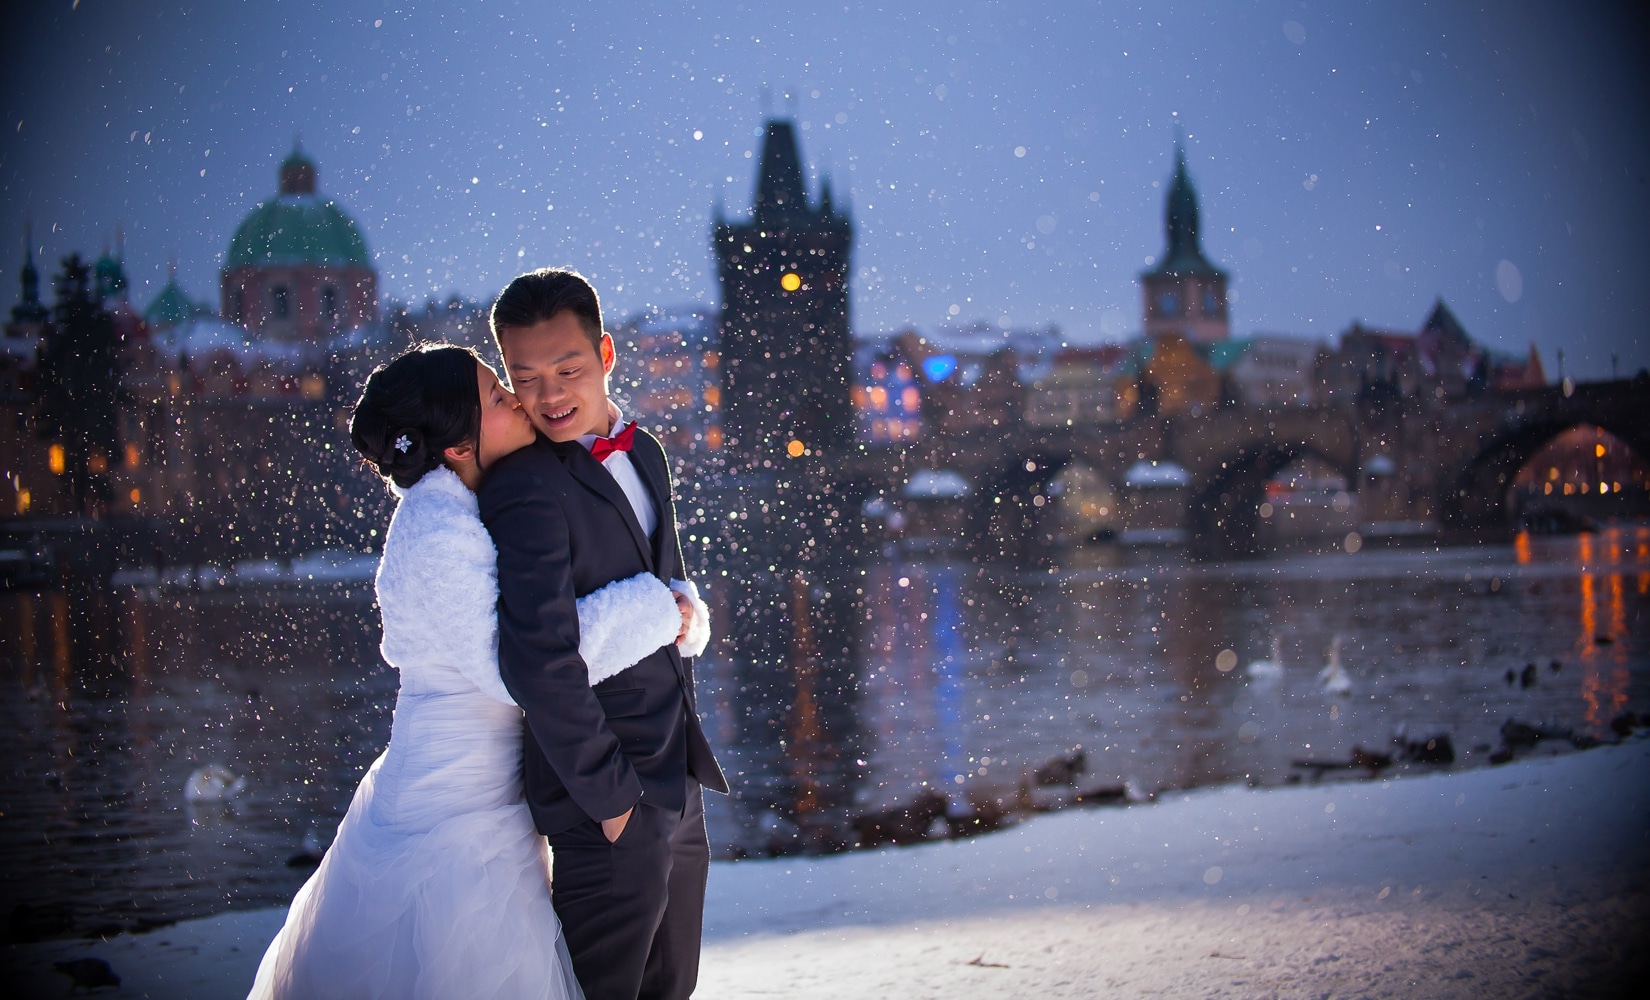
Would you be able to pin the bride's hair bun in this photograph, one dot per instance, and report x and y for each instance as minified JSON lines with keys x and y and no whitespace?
{"x":415,"y":408}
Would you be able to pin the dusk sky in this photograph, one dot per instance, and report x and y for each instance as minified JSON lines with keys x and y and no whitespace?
{"x":1002,"y":162}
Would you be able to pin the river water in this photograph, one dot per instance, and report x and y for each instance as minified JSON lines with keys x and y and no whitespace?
{"x":963,"y":682}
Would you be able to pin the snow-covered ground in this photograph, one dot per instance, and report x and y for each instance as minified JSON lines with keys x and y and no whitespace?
{"x":1522,"y":880}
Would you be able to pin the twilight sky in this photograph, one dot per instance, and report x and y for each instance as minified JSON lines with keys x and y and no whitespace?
{"x":1004,"y":162}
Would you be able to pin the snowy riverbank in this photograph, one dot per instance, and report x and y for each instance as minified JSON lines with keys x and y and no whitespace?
{"x":1531,"y":879}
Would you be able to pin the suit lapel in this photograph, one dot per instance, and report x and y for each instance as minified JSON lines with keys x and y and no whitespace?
{"x":649,"y":462}
{"x":598,"y":480}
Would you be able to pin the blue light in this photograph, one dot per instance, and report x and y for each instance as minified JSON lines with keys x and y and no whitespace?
{"x":938,"y":367}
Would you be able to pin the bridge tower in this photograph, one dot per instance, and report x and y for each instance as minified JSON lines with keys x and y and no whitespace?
{"x":786,"y":356}
{"x":1185,"y":293}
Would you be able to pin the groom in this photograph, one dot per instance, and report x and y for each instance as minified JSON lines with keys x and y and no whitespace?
{"x":613,"y":772}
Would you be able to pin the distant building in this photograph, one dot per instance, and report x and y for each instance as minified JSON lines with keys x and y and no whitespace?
{"x":458,"y":320}
{"x":1080,"y":389}
{"x":669,"y":376}
{"x":1167,"y":374}
{"x":298,"y":268}
{"x":1269,"y":370}
{"x":1438,"y":361}
{"x":887,"y":397}
{"x":1184,"y":294}
{"x":24,"y":460}
{"x":975,"y":379}
{"x":785,"y":351}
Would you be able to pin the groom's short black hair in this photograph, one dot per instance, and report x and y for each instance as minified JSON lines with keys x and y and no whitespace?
{"x":537,"y":296}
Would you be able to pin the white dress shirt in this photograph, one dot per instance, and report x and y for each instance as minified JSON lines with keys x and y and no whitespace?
{"x":624,"y":473}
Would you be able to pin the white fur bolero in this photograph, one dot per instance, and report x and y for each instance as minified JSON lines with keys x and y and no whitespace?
{"x":438,"y":592}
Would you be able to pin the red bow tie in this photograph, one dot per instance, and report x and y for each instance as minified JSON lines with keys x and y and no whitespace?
{"x":603,"y":447}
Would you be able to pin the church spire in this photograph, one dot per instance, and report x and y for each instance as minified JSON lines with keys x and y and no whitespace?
{"x":28,"y":308}
{"x":779,"y":189}
{"x":1184,"y":254}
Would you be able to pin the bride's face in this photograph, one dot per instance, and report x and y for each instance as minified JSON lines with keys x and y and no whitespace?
{"x":504,"y":425}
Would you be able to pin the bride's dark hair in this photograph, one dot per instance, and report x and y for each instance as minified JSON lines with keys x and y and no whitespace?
{"x":414,"y":408}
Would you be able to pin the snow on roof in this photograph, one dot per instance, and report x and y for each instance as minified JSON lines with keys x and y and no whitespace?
{"x":1156,"y":474}
{"x":936,"y":483}
{"x":1380,"y":465}
{"x":204,"y":337}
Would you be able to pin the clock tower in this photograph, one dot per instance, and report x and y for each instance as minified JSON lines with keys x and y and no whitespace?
{"x":1184,"y":293}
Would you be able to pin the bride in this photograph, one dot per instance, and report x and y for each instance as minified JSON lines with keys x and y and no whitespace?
{"x":437,"y":885}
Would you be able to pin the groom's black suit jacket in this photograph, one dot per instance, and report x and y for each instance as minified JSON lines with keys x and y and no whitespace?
{"x":564,"y":529}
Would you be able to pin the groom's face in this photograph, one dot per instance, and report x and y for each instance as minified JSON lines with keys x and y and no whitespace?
{"x":560,"y":376}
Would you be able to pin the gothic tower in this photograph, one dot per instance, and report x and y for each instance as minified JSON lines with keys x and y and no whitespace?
{"x":1184,"y":293}
{"x":786,"y":356}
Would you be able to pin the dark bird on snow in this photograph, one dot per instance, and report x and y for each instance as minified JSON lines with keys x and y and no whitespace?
{"x":88,"y":973}
{"x":1063,"y":770}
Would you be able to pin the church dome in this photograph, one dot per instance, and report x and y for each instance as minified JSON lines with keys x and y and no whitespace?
{"x":298,"y":226}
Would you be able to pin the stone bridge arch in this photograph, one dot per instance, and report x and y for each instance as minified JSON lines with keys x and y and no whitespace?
{"x":1232,"y":456}
{"x":1011,"y":515}
{"x":1474,"y":488}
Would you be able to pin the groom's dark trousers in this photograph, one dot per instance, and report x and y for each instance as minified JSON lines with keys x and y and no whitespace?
{"x":631,"y":910}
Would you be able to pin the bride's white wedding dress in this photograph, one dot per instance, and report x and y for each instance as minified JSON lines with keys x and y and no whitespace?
{"x":437,"y":885}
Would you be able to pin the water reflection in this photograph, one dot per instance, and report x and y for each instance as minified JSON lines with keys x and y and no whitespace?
{"x":103,"y":723}
{"x":850,"y":701}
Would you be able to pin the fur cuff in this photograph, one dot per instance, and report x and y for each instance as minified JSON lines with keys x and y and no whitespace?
{"x":624,"y":622}
{"x":698,"y":634}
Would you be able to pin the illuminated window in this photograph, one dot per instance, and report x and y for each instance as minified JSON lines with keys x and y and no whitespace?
{"x":136,"y":495}
{"x":710,"y":359}
{"x":909,"y":399}
{"x":938,"y":367}
{"x":24,"y":498}
{"x":314,"y":386}
{"x":55,"y":458}
{"x":713,"y":438}
{"x":98,"y":462}
{"x":790,"y":281}
{"x":879,"y":399}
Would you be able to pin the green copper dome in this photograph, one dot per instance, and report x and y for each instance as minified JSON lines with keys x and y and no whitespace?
{"x":298,"y":226}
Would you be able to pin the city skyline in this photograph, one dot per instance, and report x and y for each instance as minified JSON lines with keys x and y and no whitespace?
{"x":1012,"y":165}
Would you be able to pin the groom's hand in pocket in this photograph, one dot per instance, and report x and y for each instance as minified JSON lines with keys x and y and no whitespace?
{"x":613,"y":828}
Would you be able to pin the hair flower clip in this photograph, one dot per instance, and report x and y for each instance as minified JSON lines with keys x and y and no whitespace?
{"x":403,"y":444}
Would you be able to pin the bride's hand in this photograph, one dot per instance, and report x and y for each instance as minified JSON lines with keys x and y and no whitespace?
{"x":613,"y":828}
{"x":685,"y":606}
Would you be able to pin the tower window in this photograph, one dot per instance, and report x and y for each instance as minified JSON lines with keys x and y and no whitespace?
{"x":1168,"y":304}
{"x":1211,"y":303}
{"x":279,"y":307}
{"x":329,"y":307}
